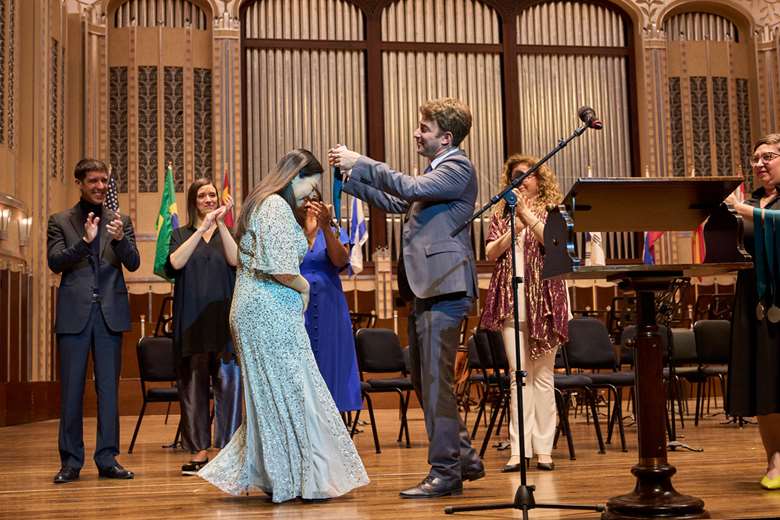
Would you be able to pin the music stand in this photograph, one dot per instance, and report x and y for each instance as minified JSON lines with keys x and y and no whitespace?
{"x":635,"y":205}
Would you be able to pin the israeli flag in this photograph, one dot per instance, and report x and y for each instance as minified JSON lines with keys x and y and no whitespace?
{"x":358,"y":235}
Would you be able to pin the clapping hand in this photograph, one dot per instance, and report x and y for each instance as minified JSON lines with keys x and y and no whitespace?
{"x":91,"y":226}
{"x":227,"y":205}
{"x":323,"y":214}
{"x":115,"y":228}
{"x":210,"y":219}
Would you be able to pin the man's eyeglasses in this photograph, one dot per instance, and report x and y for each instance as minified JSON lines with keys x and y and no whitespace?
{"x":765,"y":157}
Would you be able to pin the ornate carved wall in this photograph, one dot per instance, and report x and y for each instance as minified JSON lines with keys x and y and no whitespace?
{"x":140,"y":82}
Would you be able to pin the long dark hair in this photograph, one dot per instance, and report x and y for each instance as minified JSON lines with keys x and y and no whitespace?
{"x":279,"y":180}
{"x":192,"y":199}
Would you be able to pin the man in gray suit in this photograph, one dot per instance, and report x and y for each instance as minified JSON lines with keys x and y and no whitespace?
{"x":89,"y":244}
{"x":439,"y":272}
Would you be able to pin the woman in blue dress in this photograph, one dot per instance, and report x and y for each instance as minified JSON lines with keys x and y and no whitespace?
{"x":327,"y":317}
{"x":292,"y":442}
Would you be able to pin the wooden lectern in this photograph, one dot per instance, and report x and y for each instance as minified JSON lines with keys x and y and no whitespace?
{"x":648,"y":204}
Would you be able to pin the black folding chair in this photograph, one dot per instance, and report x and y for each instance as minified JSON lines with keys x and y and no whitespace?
{"x":589,"y":347}
{"x":156,"y":364}
{"x":379,"y":351}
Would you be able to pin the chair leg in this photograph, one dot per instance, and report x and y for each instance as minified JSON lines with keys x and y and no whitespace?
{"x":176,"y":437}
{"x":167,"y":412}
{"x":698,"y":403}
{"x":567,"y":427}
{"x":621,"y":429}
{"x":373,"y":422}
{"x":480,"y":411}
{"x":354,"y":423}
{"x":501,"y":418}
{"x":594,"y":412}
{"x":493,"y":416}
{"x":404,"y":420}
{"x":137,"y":427}
{"x":611,"y":416}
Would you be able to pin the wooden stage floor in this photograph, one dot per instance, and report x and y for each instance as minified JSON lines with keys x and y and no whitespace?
{"x":725,"y":475}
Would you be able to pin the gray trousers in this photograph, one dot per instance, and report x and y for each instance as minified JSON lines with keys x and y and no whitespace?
{"x":434,"y":328}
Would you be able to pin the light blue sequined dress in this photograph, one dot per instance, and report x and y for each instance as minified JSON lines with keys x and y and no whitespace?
{"x":292,"y":442}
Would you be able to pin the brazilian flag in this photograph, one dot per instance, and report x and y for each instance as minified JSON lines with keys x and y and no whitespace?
{"x":167,"y":221}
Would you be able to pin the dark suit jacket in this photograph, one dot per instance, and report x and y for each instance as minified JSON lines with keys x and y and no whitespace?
{"x":435,"y":204}
{"x":70,"y":255}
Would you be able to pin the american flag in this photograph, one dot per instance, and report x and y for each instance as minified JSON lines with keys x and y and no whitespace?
{"x":112,"y":198}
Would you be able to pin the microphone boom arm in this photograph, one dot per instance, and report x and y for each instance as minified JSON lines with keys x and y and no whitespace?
{"x":519,"y":180}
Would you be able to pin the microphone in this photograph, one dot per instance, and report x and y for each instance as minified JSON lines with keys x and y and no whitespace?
{"x":588,"y":116}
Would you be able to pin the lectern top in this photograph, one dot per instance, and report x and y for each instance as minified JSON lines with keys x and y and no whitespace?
{"x":646,"y":203}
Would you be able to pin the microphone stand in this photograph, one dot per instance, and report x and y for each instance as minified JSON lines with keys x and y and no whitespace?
{"x":524,"y":495}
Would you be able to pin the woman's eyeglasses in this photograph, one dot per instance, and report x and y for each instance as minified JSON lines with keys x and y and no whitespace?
{"x":765,"y":157}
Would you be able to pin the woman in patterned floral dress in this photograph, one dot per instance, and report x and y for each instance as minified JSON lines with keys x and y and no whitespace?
{"x":293,"y":442}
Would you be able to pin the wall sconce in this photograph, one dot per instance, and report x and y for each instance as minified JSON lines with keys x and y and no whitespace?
{"x":25,"y":226}
{"x":5,"y":219}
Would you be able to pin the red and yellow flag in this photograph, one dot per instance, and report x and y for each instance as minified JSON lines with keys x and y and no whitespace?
{"x":699,"y":251}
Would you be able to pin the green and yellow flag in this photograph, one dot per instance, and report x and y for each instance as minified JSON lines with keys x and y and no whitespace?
{"x":167,"y":221}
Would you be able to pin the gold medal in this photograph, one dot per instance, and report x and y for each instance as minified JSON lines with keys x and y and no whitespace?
{"x":760,"y":311}
{"x":773,"y":314}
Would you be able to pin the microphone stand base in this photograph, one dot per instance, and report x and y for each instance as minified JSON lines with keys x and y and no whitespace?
{"x":524,"y":501}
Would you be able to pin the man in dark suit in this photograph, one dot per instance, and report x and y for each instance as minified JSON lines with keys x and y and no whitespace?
{"x":437,"y":270}
{"x":89,"y":244}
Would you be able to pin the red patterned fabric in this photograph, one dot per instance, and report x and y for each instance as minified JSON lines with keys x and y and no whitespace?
{"x":547,"y":305}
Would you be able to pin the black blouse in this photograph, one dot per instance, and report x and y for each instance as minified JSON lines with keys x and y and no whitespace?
{"x":202,"y":295}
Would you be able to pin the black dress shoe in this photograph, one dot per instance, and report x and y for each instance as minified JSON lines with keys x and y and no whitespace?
{"x":66,"y":475}
{"x":513,"y":468}
{"x":116,"y":471}
{"x":432,"y":487}
{"x":473,"y":472}
{"x":545,"y":466}
{"x":193,"y":466}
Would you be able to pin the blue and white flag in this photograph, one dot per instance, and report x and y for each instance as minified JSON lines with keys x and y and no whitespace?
{"x":358,"y":235}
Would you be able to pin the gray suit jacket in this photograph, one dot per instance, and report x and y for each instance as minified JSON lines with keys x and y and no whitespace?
{"x":70,"y":255}
{"x":435,"y":204}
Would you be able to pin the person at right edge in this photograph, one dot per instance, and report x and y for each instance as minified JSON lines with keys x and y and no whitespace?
{"x":438,"y":273}
{"x":754,"y":364}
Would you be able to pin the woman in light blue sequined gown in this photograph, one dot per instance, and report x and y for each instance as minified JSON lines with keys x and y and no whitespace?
{"x":293,"y":442}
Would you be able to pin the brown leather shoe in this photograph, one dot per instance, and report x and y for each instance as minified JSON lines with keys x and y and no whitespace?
{"x":432,"y":487}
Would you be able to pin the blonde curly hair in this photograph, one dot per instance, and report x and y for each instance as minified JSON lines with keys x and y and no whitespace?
{"x":549,"y":191}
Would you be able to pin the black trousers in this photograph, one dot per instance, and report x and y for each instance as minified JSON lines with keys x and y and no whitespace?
{"x":106,"y":347}
{"x":198,"y":375}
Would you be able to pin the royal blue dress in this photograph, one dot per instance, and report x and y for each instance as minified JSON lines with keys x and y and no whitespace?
{"x":329,"y":326}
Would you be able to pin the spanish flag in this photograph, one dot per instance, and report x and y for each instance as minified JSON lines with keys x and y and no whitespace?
{"x":167,"y":221}
{"x":699,"y":251}
{"x":225,"y":193}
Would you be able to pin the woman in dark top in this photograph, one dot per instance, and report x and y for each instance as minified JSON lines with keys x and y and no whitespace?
{"x":202,"y":261}
{"x":754,"y":367}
